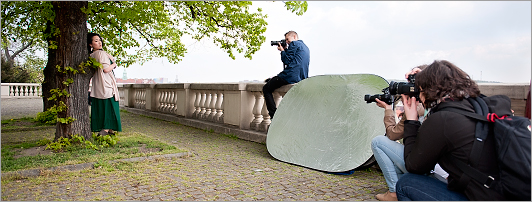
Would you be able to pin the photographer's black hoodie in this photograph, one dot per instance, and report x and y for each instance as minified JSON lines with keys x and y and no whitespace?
{"x":445,"y":135}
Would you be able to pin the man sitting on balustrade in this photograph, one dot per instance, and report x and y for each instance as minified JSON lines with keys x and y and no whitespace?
{"x":296,"y":59}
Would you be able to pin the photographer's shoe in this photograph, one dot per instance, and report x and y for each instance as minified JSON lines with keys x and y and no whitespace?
{"x":388,"y":196}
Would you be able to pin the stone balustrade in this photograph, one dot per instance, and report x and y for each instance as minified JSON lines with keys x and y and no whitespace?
{"x":261,"y":119}
{"x":236,"y":104}
{"x":21,"y":90}
{"x":242,"y":104}
{"x":516,"y":92}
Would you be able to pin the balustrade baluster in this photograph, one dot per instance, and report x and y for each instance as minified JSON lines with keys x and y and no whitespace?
{"x":219,"y":110}
{"x":197,"y":101}
{"x":202,"y":104}
{"x":165,"y":100}
{"x":160,"y":99}
{"x":208,"y":98}
{"x":257,"y":107}
{"x":277,"y":97}
{"x":266,"y":121}
{"x":140,"y":98}
{"x":212,"y":106}
{"x":168,"y":105}
{"x":143,"y":98}
{"x":138,"y":101}
{"x":136,"y":98}
{"x":172,"y":101}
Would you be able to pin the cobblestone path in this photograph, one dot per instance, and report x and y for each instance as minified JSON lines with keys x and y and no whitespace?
{"x":223,"y":168}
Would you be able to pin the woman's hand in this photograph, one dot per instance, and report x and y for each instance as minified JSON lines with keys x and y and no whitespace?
{"x":410,"y":106}
{"x":110,"y":68}
{"x":382,"y":104}
{"x":413,"y":71}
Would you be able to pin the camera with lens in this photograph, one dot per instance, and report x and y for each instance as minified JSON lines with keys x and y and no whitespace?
{"x":385,"y":97}
{"x":282,"y":42}
{"x":396,"y":88}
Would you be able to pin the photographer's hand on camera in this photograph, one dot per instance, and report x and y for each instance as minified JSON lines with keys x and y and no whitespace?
{"x":280,"y":47}
{"x":410,"y":105}
{"x":382,"y":104}
{"x":413,"y":71}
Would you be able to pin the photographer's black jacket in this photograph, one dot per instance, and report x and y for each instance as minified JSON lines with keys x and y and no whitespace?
{"x":446,"y":135}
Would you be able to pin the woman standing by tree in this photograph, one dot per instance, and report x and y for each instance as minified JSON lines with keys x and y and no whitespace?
{"x":105,"y":111}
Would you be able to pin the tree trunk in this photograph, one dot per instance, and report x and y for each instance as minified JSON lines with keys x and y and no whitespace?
{"x":49,"y":71}
{"x":71,"y":52}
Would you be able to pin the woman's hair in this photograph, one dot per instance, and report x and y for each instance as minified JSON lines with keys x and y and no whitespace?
{"x":442,"y":78}
{"x":89,"y":40}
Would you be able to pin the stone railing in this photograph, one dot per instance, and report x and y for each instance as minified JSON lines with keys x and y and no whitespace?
{"x":516,"y":92}
{"x":236,"y":104}
{"x":242,"y":104}
{"x":21,"y":90}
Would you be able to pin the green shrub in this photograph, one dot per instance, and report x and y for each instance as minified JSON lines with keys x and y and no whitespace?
{"x":77,"y":141}
{"x":47,"y":117}
{"x":44,"y":142}
{"x":105,"y":141}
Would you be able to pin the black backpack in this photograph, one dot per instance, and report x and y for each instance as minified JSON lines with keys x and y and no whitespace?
{"x":512,"y":144}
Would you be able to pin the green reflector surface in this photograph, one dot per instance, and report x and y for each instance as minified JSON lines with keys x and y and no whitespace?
{"x":324,"y":123}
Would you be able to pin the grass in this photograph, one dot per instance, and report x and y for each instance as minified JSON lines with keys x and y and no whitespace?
{"x":128,"y":146}
{"x":22,"y":123}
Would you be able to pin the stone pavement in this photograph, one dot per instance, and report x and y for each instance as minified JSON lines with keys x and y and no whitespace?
{"x":222,"y":168}
{"x":15,"y":108}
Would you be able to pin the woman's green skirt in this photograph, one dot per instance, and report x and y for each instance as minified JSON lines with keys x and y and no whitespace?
{"x":105,"y":114}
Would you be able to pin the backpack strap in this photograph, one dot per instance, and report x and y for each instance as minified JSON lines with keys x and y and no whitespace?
{"x":481,"y":133}
{"x":465,"y":113}
{"x":472,"y":173}
{"x":481,"y":128}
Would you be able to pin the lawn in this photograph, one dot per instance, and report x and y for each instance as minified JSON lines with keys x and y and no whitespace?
{"x":24,"y":142}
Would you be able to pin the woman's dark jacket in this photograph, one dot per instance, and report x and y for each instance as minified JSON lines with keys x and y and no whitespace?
{"x":446,"y":135}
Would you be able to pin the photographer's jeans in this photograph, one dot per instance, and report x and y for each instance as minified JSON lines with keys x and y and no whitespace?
{"x":268,"y":88}
{"x":389,"y":156}
{"x":414,"y":187}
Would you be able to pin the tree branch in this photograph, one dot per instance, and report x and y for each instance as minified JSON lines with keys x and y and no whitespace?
{"x":21,"y":49}
{"x":192,"y":11}
{"x":143,"y":35}
{"x":6,"y":52}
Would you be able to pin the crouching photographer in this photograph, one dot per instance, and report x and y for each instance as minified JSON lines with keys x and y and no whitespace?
{"x":387,"y":150}
{"x":445,"y":137}
{"x":295,"y":56}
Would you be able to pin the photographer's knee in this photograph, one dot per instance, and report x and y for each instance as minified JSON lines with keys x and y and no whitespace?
{"x":377,"y":140}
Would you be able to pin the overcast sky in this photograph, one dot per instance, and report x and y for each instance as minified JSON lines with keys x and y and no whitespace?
{"x":488,"y":40}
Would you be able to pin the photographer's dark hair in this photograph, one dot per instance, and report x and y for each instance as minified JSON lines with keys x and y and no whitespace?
{"x":442,"y":78}
{"x":89,"y":40}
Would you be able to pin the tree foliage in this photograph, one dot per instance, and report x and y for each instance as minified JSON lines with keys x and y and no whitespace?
{"x":30,"y":71}
{"x":23,"y":25}
{"x":138,"y":31}
{"x":22,"y":35}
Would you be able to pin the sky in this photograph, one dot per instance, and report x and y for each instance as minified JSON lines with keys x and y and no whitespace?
{"x":489,"y":40}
